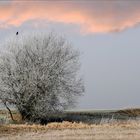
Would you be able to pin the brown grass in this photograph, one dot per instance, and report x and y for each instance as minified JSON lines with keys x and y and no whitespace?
{"x":17,"y":117}
{"x":127,"y":130}
{"x":13,"y":128}
{"x":68,"y":130}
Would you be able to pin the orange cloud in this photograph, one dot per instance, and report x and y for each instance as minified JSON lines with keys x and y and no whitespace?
{"x":92,"y":17}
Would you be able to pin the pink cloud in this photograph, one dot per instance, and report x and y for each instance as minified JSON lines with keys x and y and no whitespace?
{"x":92,"y":17}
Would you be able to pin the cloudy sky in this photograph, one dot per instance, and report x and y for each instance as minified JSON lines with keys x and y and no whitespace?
{"x":105,"y":31}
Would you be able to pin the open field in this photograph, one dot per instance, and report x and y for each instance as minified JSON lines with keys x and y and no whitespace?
{"x":84,"y":128}
{"x":71,"y":131}
{"x":85,"y":116}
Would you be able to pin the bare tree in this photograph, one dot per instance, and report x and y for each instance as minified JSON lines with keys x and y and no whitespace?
{"x":39,"y":75}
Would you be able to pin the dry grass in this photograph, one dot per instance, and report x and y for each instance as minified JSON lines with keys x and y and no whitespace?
{"x":16,"y":115}
{"x":130,"y":112}
{"x":127,"y":130}
{"x":71,"y":131}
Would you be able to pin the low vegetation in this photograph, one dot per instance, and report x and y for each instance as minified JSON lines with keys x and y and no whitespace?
{"x":71,"y":131}
{"x":90,"y":117}
{"x":65,"y":130}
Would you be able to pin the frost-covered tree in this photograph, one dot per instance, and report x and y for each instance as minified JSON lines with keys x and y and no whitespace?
{"x":39,"y":75}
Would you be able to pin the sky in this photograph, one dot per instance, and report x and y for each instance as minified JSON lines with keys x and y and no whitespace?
{"x":106,"y":32}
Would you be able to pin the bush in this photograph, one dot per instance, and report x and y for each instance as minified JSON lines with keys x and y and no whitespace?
{"x":39,"y":75}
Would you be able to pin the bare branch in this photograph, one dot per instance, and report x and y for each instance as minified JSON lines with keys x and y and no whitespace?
{"x":39,"y":75}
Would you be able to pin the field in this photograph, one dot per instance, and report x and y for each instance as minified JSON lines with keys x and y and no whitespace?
{"x":120,"y":129}
{"x":71,"y":131}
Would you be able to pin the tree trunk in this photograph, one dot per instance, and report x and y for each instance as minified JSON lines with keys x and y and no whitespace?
{"x":11,"y":115}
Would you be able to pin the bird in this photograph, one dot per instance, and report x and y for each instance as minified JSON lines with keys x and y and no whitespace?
{"x":16,"y":33}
